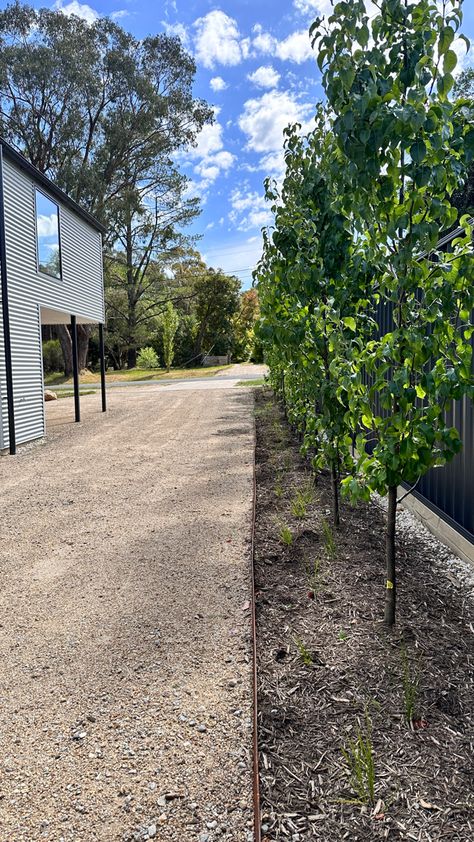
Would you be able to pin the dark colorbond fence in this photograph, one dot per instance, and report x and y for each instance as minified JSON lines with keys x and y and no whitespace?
{"x":449,"y":490}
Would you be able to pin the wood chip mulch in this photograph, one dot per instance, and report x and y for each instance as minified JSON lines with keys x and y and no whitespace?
{"x":359,"y":677}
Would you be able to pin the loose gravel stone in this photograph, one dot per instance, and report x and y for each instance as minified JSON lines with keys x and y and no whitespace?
{"x":100,"y":603}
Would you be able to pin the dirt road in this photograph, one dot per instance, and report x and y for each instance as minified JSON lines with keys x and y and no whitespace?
{"x":124,"y":656}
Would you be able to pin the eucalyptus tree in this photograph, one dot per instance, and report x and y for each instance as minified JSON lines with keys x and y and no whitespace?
{"x":102,"y":114}
{"x":405,"y":145}
{"x":169,"y":327}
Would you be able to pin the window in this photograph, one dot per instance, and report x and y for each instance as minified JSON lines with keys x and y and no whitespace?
{"x":47,"y":234}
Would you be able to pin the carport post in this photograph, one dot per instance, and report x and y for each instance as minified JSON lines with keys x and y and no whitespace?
{"x":6,"y":317}
{"x":75,"y":368}
{"x":102,"y":367}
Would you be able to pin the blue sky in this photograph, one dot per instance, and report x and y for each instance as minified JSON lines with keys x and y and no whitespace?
{"x":256,"y":67}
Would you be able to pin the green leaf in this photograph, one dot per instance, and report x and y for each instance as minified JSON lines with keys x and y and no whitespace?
{"x":363,"y":35}
{"x":418,"y":151}
{"x":450,"y":61}
{"x":445,"y":83}
{"x":446,"y":38}
{"x":350,"y":322}
{"x":420,"y":391}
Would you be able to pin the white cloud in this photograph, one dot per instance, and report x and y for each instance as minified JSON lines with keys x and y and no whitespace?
{"x":86,"y":12}
{"x":264,"y":119}
{"x":264,"y":77}
{"x":209,"y":158}
{"x":249,"y":209}
{"x":296,"y":47}
{"x":313,"y":7}
{"x":81,"y":10}
{"x":217,"y":40}
{"x":218,"y":84}
{"x":179,"y":31}
{"x":209,"y":139}
{"x":465,"y":56}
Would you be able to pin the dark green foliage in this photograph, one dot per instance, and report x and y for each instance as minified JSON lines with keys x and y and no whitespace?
{"x":367,"y":328}
{"x":216,"y":302}
{"x":52,"y":355}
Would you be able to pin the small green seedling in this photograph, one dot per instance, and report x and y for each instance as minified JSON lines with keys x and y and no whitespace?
{"x":342,"y":634}
{"x":314,"y":578}
{"x":303,"y":652}
{"x":278,"y":488}
{"x":411,"y":687}
{"x":359,"y":757}
{"x":301,"y":501}
{"x":286,"y":536}
{"x":329,"y":542}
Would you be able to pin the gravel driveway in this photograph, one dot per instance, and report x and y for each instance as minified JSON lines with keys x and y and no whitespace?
{"x":125,"y":649}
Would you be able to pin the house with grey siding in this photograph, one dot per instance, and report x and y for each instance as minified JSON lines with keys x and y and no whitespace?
{"x":51,"y":273}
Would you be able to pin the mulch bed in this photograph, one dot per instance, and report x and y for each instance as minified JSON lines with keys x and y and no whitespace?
{"x":358,"y":677}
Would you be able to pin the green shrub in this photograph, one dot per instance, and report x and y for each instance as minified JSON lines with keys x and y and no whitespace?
{"x":52,"y":356}
{"x":147,"y":358}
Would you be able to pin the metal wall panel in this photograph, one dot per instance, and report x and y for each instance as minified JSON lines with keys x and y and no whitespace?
{"x":448,"y":490}
{"x":80,"y":292}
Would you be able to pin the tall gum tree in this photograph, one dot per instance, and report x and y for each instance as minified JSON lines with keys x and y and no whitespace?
{"x":102,"y":114}
{"x":406,"y":146}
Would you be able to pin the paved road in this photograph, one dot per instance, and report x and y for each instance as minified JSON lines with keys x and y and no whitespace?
{"x":124,"y":655}
{"x":230,"y":377}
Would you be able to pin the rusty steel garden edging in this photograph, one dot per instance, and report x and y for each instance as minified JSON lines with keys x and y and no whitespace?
{"x":256,"y":776}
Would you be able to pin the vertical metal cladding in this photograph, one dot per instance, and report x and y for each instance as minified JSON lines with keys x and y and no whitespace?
{"x":79,"y":292}
{"x":448,"y":490}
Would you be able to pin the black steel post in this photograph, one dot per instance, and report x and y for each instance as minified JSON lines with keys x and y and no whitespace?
{"x":75,"y":369}
{"x":102,"y":367}
{"x":6,"y":317}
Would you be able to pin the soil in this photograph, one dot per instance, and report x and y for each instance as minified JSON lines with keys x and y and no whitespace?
{"x":125,"y":674}
{"x":405,"y":695}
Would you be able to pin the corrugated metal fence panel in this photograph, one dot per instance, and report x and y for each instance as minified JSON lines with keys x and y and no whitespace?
{"x":79,"y":292}
{"x":449,"y":490}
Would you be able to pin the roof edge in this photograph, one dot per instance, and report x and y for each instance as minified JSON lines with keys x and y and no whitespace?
{"x":11,"y":154}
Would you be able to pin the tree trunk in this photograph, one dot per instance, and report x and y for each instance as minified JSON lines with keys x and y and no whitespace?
{"x":83,"y":336}
{"x":335,"y":494}
{"x":64,"y":336}
{"x":65,"y":340}
{"x":132,"y":299}
{"x":132,"y":357}
{"x":391,"y":584}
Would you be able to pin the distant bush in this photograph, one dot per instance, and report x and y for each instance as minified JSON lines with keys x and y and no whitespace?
{"x":52,"y":356}
{"x":147,"y":358}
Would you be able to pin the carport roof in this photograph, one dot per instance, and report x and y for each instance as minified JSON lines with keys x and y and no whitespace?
{"x":20,"y":161}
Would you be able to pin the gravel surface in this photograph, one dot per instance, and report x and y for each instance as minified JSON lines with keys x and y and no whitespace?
{"x":125,"y":655}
